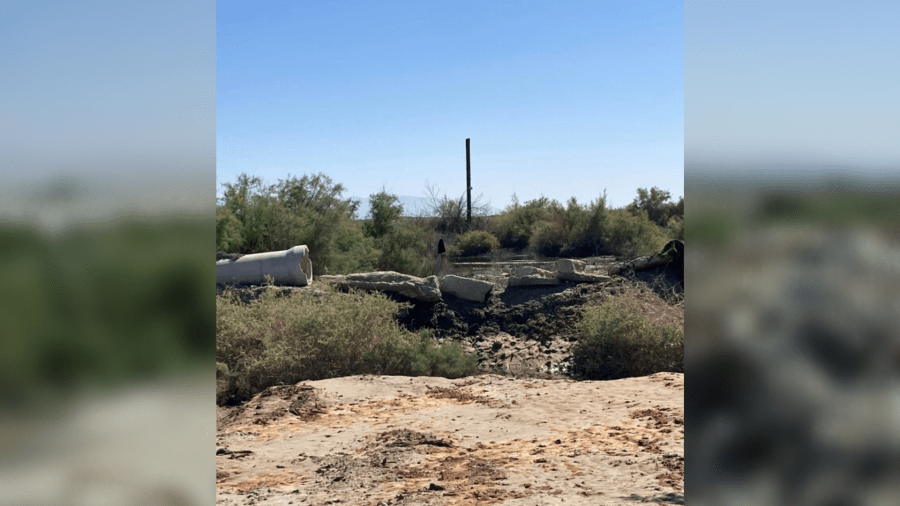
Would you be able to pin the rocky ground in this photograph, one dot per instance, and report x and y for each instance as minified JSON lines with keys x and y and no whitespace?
{"x":795,"y":367}
{"x":522,"y":331}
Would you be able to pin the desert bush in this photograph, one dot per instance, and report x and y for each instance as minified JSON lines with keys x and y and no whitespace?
{"x":675,"y":228}
{"x":547,"y":239}
{"x":657,"y":204}
{"x":446,"y":360}
{"x":384,"y":211}
{"x":307,"y":210}
{"x":449,"y":215}
{"x":352,"y":250}
{"x":475,"y":242}
{"x":290,"y":339}
{"x":586,"y":237}
{"x":228,"y":230}
{"x":629,"y":235}
{"x":515,"y":225}
{"x":284,"y":340}
{"x":409,"y":248}
{"x":618,"y":340}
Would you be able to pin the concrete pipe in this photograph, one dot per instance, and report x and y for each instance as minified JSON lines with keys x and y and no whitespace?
{"x":290,"y":267}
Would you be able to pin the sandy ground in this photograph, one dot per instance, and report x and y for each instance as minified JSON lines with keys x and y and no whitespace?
{"x":142,"y":444}
{"x":394,"y":440}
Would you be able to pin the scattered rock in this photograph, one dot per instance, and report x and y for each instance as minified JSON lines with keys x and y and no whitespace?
{"x":466,"y":288}
{"x":568,"y":265}
{"x":533,"y":280}
{"x":425,"y":289}
{"x":583,"y":277}
{"x":520,"y":271}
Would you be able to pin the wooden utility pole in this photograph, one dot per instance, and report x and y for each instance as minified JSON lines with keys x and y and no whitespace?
{"x":468,"y":185}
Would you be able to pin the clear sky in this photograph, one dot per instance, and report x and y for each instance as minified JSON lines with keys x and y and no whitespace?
{"x":559,"y":99}
{"x":800,"y":83}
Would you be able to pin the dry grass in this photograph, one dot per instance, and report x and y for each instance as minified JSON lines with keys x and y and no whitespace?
{"x":658,"y":311}
{"x":634,"y":333}
{"x":282,"y":340}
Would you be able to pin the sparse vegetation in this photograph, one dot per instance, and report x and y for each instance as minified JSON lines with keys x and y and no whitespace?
{"x":254,"y":217}
{"x":326,"y":333}
{"x":449,"y":216}
{"x":632,"y":334}
{"x":446,"y":360}
{"x":100,"y":304}
{"x":402,"y":245}
{"x":284,"y":340}
{"x":476,"y":242}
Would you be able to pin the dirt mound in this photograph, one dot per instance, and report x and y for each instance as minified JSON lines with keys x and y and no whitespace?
{"x":393,"y":440}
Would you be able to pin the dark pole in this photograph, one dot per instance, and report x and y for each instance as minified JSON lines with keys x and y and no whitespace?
{"x":468,"y":185}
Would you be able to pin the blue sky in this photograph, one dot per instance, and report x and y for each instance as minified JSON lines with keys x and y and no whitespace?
{"x":798,"y":84}
{"x":559,"y":100}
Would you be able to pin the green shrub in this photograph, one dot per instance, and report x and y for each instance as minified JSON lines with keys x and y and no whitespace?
{"x":307,"y":210}
{"x":586,"y":237}
{"x":352,"y":251}
{"x":515,"y":225}
{"x":551,"y":229}
{"x":446,"y":360}
{"x":675,"y":228}
{"x":547,"y":239}
{"x":617,"y":341}
{"x":628,"y":235}
{"x":657,"y":204}
{"x":476,"y":242}
{"x":228,"y":230}
{"x":290,"y":339}
{"x":408,"y":248}
{"x":284,"y":340}
{"x":384,"y":211}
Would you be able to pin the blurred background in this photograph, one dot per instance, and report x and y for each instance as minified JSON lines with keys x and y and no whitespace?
{"x":792,"y":311}
{"x":107,"y":120}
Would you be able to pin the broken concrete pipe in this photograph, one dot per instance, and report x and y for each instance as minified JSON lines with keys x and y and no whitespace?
{"x":290,"y":267}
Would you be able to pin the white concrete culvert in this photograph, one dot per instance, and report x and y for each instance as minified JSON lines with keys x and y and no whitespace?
{"x":291,"y":267}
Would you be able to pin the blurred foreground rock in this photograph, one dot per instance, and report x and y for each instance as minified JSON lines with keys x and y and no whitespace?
{"x":794,"y":359}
